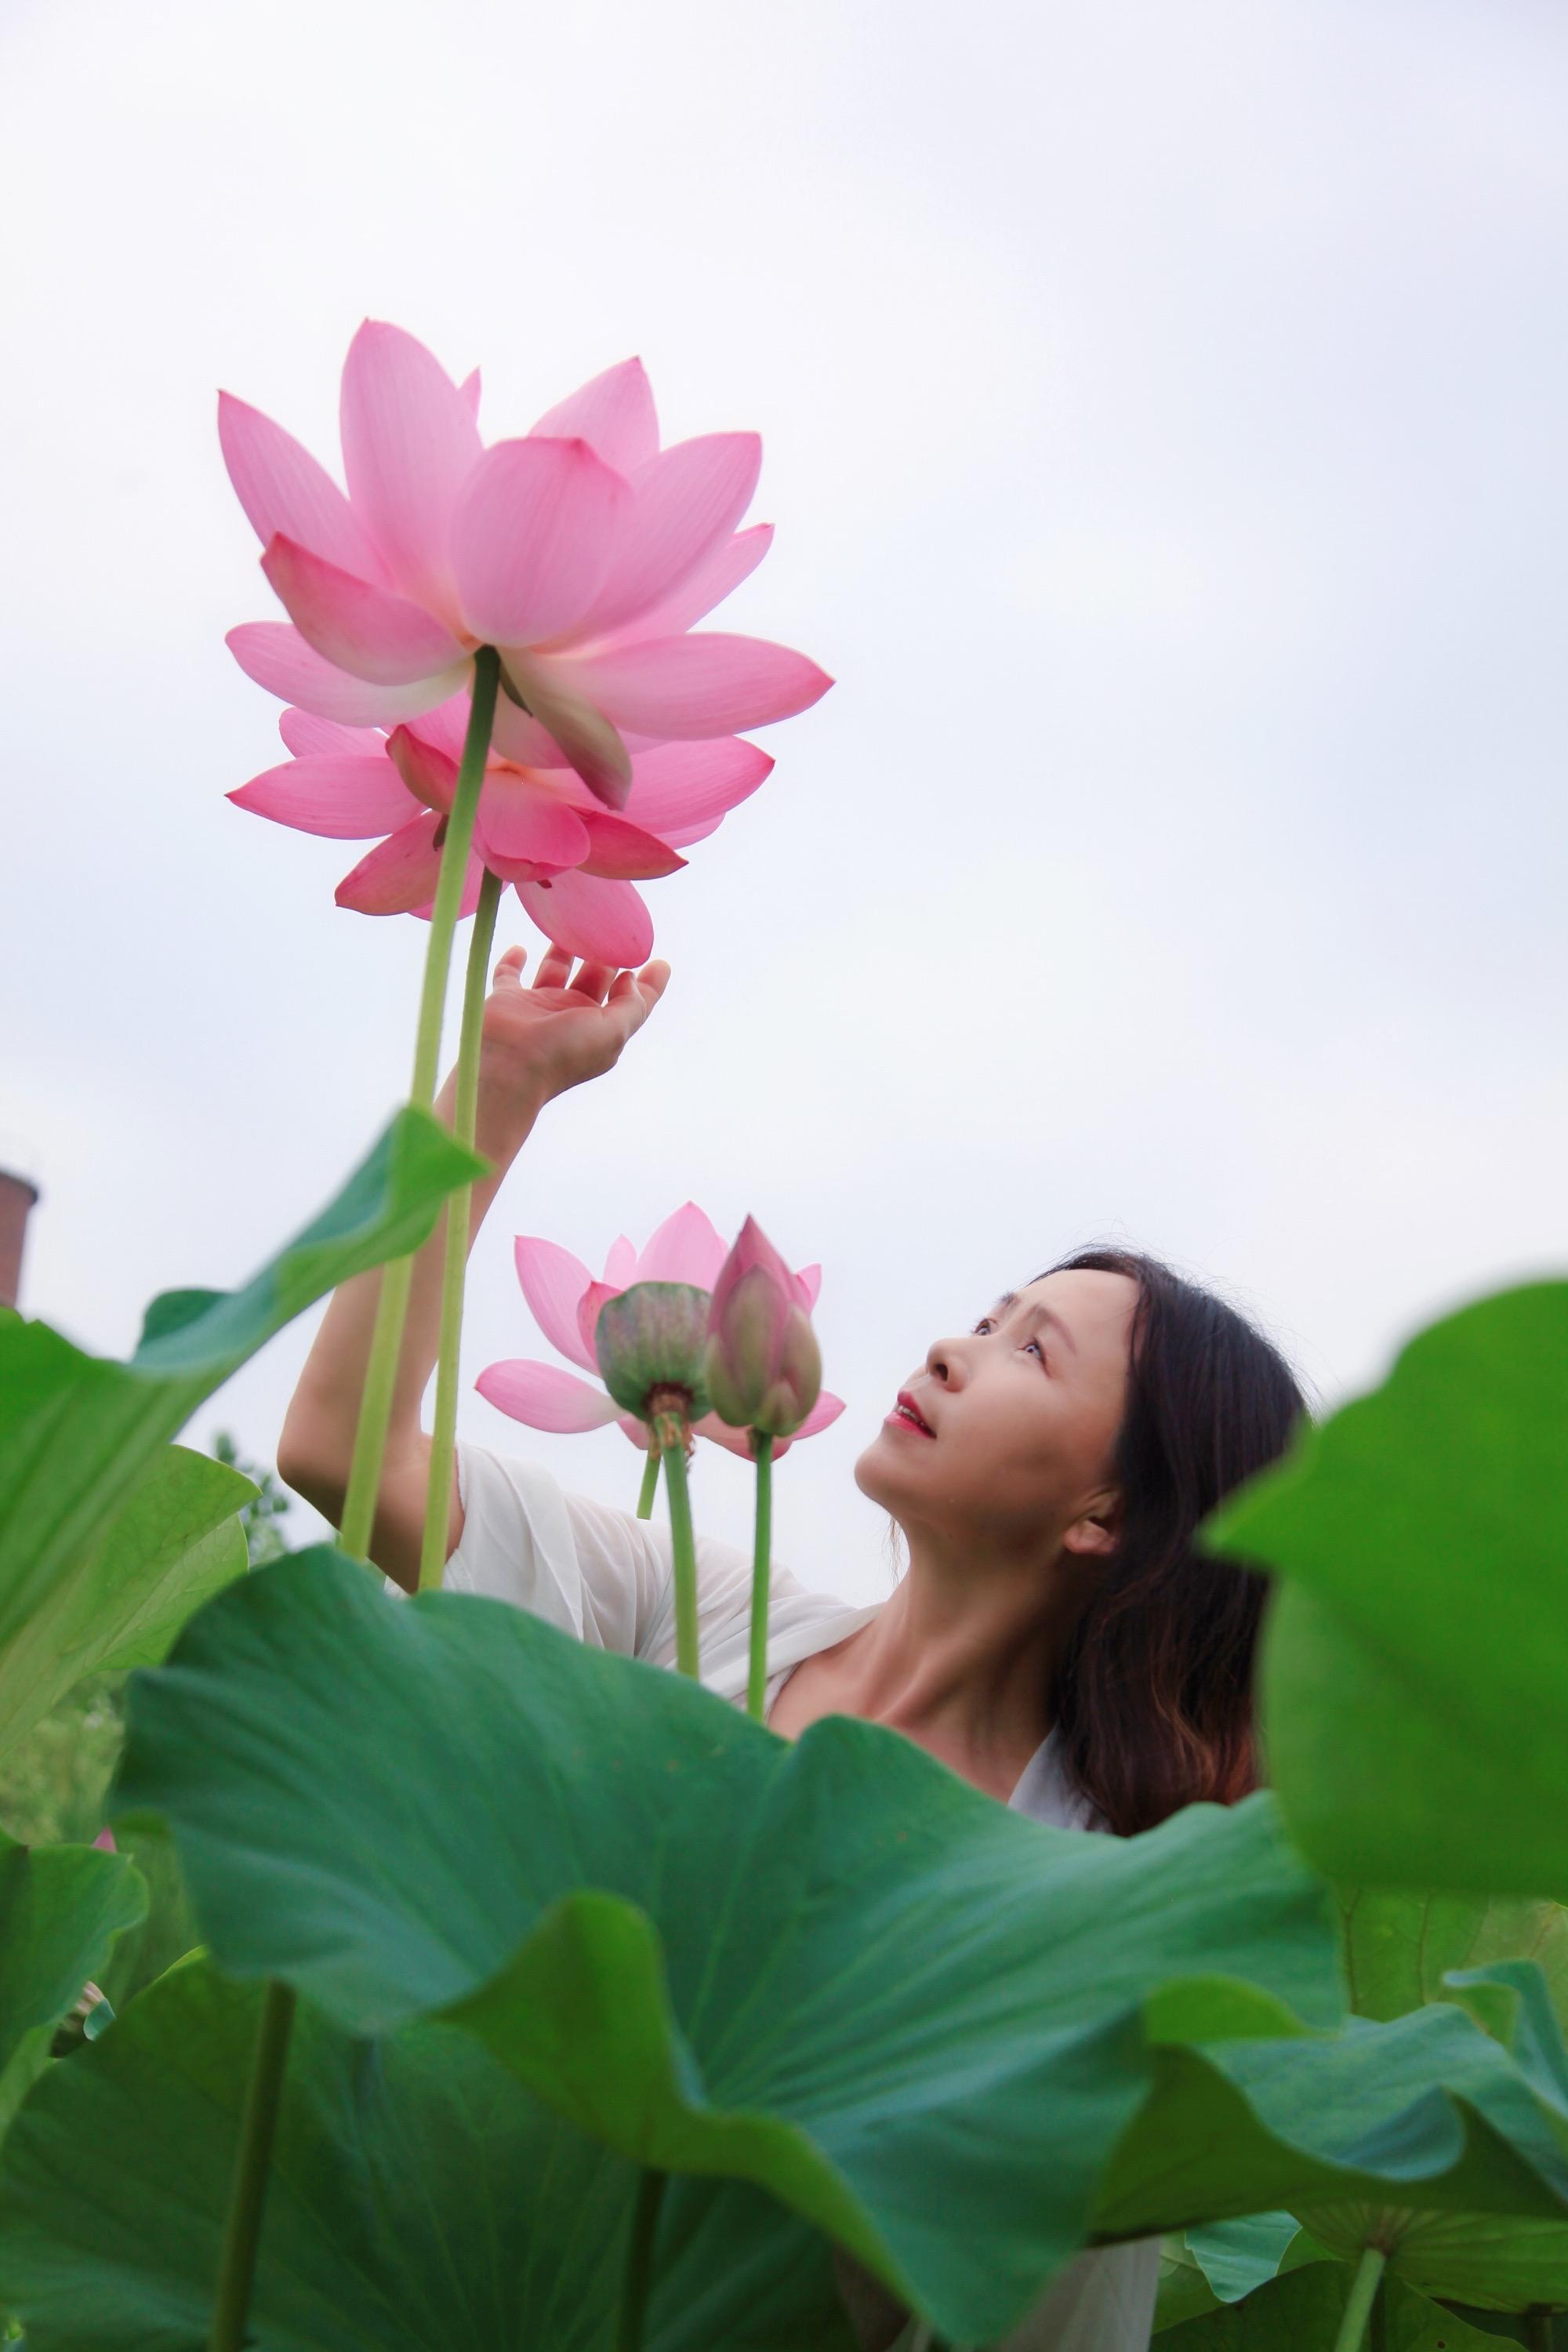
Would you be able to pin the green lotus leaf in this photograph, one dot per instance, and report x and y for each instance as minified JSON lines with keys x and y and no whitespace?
{"x":1184,"y":2292}
{"x":834,"y":1968}
{"x":78,"y":1433}
{"x":1237,"y":2255}
{"x":420,"y":2197}
{"x":1400,"y":1947}
{"x":121,"y":1603}
{"x":1418,"y":1652}
{"x":62,"y":1909}
{"x":1301,"y":2312}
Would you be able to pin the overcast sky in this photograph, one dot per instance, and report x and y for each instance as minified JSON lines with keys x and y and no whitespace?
{"x":1162,"y":411}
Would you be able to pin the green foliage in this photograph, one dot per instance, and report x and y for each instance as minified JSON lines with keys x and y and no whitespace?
{"x":80,"y":1434}
{"x":420,"y":2197}
{"x":1304,"y":2309}
{"x":834,"y":1969}
{"x":264,"y":1539}
{"x":1417,"y":1660}
{"x":62,"y":1909}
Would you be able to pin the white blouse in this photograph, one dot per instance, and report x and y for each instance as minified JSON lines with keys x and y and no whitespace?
{"x":607,"y":1578}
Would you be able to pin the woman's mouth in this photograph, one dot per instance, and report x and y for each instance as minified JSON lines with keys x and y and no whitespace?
{"x":906,"y":1415}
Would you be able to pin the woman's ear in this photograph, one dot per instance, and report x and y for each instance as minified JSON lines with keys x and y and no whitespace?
{"x":1097,"y":1531}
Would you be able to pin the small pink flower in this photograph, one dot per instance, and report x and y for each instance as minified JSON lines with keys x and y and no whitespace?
{"x":762,"y":1363}
{"x":583,"y":552}
{"x":571,"y":862}
{"x":566,"y":1301}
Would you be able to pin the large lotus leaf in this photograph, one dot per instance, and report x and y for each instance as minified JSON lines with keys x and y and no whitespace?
{"x":78,"y":1431}
{"x":1301,"y":2312}
{"x":62,"y":1909}
{"x":1426,"y":2111}
{"x":834,"y":1969}
{"x":1400,"y":1947}
{"x":420,"y":2197}
{"x":1415,"y":1666}
{"x":121,"y":1603}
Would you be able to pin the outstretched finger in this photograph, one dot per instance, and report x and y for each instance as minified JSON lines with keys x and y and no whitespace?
{"x":642,"y":990}
{"x":508,"y":973}
{"x":592,"y":980}
{"x":554,"y":968}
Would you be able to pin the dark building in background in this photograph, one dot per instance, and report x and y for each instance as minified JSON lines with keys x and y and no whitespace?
{"x":16,"y":1199}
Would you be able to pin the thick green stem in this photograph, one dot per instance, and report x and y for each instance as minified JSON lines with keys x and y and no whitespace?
{"x":387,"y":1340}
{"x":242,"y":2225}
{"x":683,"y":1551}
{"x":649,"y":1485}
{"x":1362,"y":2294}
{"x":757,"y":1683}
{"x":443,"y":1437}
{"x":638,"y":2275}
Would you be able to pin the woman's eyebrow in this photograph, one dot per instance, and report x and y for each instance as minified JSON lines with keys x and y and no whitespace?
{"x":1040,"y":1313}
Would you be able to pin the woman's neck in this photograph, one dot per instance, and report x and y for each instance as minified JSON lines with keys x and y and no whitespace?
{"x":961,"y":1659}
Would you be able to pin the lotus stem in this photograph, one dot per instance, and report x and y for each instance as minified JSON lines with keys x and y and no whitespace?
{"x":639,"y":2261}
{"x":650,"y":1484}
{"x":443,"y":1437}
{"x":1363,"y":2296}
{"x":757,"y":1683}
{"x":391,"y":1308}
{"x":242,"y":2224}
{"x":683,"y":1552}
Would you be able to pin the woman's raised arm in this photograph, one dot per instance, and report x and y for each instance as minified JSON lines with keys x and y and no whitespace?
{"x":537,"y":1042}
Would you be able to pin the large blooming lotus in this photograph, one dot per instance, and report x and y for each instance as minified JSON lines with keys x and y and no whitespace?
{"x":583,"y":552}
{"x":567,"y":1302}
{"x":571,"y":860}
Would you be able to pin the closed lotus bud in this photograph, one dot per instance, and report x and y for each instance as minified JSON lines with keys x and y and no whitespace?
{"x":649,"y":1340}
{"x":762,"y":1365}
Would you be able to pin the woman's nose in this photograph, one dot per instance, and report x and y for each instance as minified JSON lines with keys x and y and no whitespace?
{"x":942,"y":1360}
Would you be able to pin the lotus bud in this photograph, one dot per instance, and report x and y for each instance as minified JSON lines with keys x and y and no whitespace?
{"x":649,"y":1340}
{"x":762,"y":1365}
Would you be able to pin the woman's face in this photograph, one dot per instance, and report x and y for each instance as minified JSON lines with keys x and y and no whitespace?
{"x":1020,"y":1421}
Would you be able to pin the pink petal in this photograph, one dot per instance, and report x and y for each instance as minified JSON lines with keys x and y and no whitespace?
{"x":590,"y":1307}
{"x":276,"y":656}
{"x":716,"y":577}
{"x":473,"y":882}
{"x":621,"y":1266}
{"x":605,"y":922}
{"x":552,"y":1282}
{"x":585,"y":735}
{"x":545,"y":1397}
{"x":347,"y":799}
{"x":614,"y":414}
{"x":469,"y":388}
{"x":738,"y":1441}
{"x":522,"y":822}
{"x":825,"y":1411}
{"x":679,"y":785}
{"x":398,"y":876}
{"x":683,"y":509}
{"x":623,"y":852}
{"x":357,"y":626}
{"x":409,"y":443}
{"x":686,"y":1248}
{"x":446,"y":729}
{"x":308,"y":737}
{"x":532,"y":538}
{"x":285,"y":492}
{"x":809,"y":1279}
{"x":428,"y":774}
{"x":692,"y":686}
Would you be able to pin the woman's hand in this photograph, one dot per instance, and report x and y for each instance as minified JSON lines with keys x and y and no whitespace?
{"x":538,"y":1041}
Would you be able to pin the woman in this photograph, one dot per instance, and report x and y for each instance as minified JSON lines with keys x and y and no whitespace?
{"x":1056,"y":1640}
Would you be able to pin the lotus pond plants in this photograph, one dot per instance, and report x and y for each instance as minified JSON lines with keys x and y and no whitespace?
{"x":525,"y":1995}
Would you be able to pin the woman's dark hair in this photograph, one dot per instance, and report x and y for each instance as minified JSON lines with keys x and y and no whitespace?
{"x":1152,"y":1702}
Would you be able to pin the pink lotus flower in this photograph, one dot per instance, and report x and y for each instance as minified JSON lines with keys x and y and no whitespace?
{"x":583,"y":552}
{"x":762,"y":1363}
{"x":567,"y":1302}
{"x":571,"y":862}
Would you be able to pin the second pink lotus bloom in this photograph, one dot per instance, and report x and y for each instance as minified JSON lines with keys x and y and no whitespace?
{"x":566,"y":1301}
{"x":762,"y":1365}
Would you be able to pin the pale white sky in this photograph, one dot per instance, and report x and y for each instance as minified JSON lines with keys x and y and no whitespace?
{"x":1163,"y":410}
